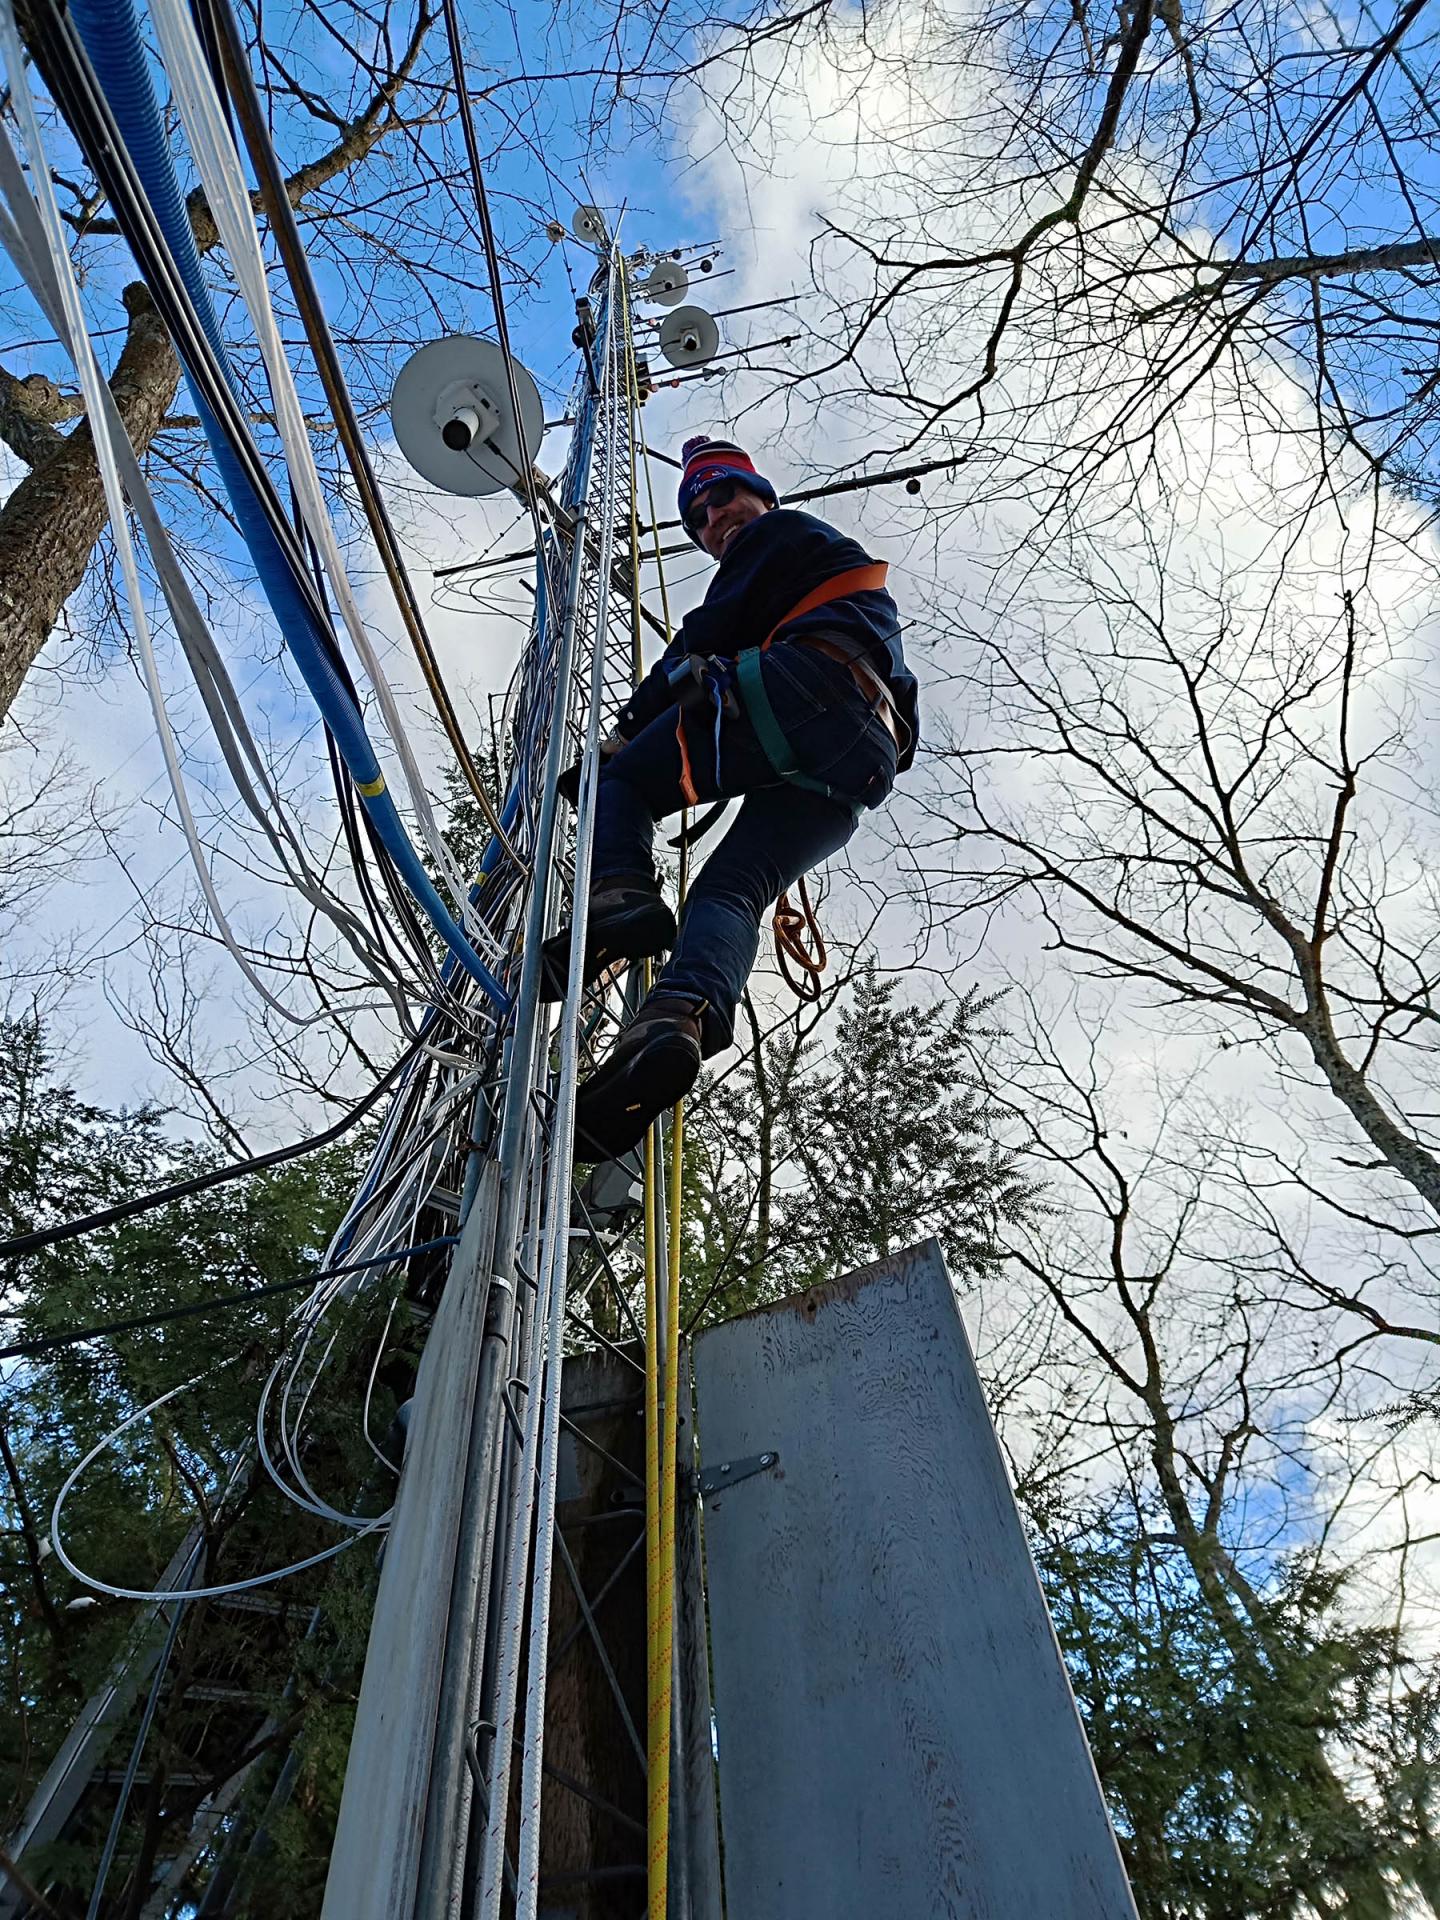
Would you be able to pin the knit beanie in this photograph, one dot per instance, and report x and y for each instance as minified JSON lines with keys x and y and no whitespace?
{"x":707,"y":461}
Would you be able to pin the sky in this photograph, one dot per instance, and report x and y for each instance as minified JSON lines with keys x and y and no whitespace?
{"x":815,"y":154}
{"x":101,"y":721}
{"x":658,"y":198}
{"x":1227,"y":518}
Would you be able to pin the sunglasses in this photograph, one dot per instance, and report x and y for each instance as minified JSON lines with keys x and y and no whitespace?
{"x":719,"y":495}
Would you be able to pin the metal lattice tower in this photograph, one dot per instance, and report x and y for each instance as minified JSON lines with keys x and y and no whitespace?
{"x":451,"y":1721}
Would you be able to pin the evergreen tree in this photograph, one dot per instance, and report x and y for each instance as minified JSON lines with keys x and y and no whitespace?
{"x":1208,"y":1732}
{"x":817,"y":1158}
{"x":244,"y":1687}
{"x":1206,"y":1749}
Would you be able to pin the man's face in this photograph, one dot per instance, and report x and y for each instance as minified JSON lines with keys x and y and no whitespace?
{"x":723,"y":523}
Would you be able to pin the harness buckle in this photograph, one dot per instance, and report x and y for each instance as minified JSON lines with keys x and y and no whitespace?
{"x":699,"y":679}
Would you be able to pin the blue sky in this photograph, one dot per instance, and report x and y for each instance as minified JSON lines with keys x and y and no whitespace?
{"x":670,"y":202}
{"x":540,"y":174}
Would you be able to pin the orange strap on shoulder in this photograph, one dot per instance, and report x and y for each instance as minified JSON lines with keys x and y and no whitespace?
{"x":864,"y":579}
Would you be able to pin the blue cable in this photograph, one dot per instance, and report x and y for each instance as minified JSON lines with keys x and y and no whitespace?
{"x":110,"y":30}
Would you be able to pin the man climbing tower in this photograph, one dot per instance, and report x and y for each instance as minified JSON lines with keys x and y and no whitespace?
{"x":787,"y":686}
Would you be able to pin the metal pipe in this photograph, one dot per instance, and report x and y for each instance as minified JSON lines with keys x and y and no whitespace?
{"x":558,"y":1214}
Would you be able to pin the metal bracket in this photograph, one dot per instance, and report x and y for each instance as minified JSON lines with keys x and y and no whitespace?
{"x":732,"y":1472}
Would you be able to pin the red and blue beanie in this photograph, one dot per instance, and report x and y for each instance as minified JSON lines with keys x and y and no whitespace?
{"x":707,"y":461}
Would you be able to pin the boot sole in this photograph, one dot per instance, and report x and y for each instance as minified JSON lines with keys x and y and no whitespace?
{"x":641,"y":934}
{"x":614,"y":1109}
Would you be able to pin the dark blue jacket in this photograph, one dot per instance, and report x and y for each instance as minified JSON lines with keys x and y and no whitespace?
{"x":769,"y":567}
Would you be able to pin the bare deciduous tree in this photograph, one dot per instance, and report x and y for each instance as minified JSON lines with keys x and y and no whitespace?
{"x":1182,"y":1384}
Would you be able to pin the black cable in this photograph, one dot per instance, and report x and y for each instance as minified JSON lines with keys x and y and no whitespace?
{"x":29,"y":1349}
{"x":492,"y":253}
{"x":798,"y":497}
{"x":71,"y":79}
{"x":218,"y":1176}
{"x":214,"y":59}
{"x":385,"y":937}
{"x":223,"y":31}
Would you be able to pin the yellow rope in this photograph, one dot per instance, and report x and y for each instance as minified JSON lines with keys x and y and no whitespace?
{"x":659,"y":1595}
{"x":662,"y":1400}
{"x":670,"y":1415}
{"x":669,"y":1455}
{"x":657,"y":1682}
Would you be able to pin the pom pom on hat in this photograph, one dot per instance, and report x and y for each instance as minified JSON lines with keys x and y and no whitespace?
{"x":707,"y":461}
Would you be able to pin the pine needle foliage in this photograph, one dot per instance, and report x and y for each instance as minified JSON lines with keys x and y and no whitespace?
{"x":246,"y":1686}
{"x":1290,"y":1774}
{"x":829,"y":1151}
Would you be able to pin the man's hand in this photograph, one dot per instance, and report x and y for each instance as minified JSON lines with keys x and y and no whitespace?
{"x":568,"y":785}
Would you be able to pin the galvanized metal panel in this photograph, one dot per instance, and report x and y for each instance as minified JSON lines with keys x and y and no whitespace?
{"x":897,"y":1736}
{"x":376,"y":1856}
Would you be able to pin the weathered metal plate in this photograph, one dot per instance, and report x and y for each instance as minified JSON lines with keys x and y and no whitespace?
{"x":897,"y":1737}
{"x":375,"y":1862}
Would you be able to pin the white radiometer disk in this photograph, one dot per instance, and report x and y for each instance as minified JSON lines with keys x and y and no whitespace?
{"x":665,"y":284}
{"x":453,"y":418}
{"x":689,"y":337}
{"x":588,"y":223}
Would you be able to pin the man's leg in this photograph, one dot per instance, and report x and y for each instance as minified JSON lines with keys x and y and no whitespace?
{"x":783,"y":830}
{"x":628,"y":919}
{"x":781,"y":833}
{"x":638,"y":786}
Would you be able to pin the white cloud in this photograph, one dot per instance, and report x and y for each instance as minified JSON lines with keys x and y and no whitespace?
{"x":1244,"y":514}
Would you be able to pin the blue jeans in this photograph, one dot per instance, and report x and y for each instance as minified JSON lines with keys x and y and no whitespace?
{"x":781,"y":832}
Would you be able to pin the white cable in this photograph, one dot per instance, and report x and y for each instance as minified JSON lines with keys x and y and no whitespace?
{"x":384,"y":1459}
{"x":22,"y":237}
{"x":397,"y":1222}
{"x":311,"y":1314}
{"x":95,"y":390}
{"x":290,"y":1428}
{"x":221,"y":175}
{"x":184,"y":1593}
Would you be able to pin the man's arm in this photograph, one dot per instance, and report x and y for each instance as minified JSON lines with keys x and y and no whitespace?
{"x":650,"y":699}
{"x":654,"y":694}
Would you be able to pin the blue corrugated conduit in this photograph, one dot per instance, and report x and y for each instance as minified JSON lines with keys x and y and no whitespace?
{"x":110,"y":30}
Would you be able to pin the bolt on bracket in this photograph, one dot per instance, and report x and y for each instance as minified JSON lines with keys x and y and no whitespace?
{"x":731,"y":1472}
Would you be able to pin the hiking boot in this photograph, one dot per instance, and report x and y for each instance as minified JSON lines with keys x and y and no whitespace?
{"x":629,"y":920}
{"x":654,"y":1063}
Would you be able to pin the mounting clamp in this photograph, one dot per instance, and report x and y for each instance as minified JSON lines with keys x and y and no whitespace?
{"x":730,"y":1473}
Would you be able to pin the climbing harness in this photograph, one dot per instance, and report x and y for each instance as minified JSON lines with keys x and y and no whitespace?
{"x":691,"y":677}
{"x":698,"y":679}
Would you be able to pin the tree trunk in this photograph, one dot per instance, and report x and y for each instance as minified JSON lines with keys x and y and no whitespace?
{"x":50,"y":523}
